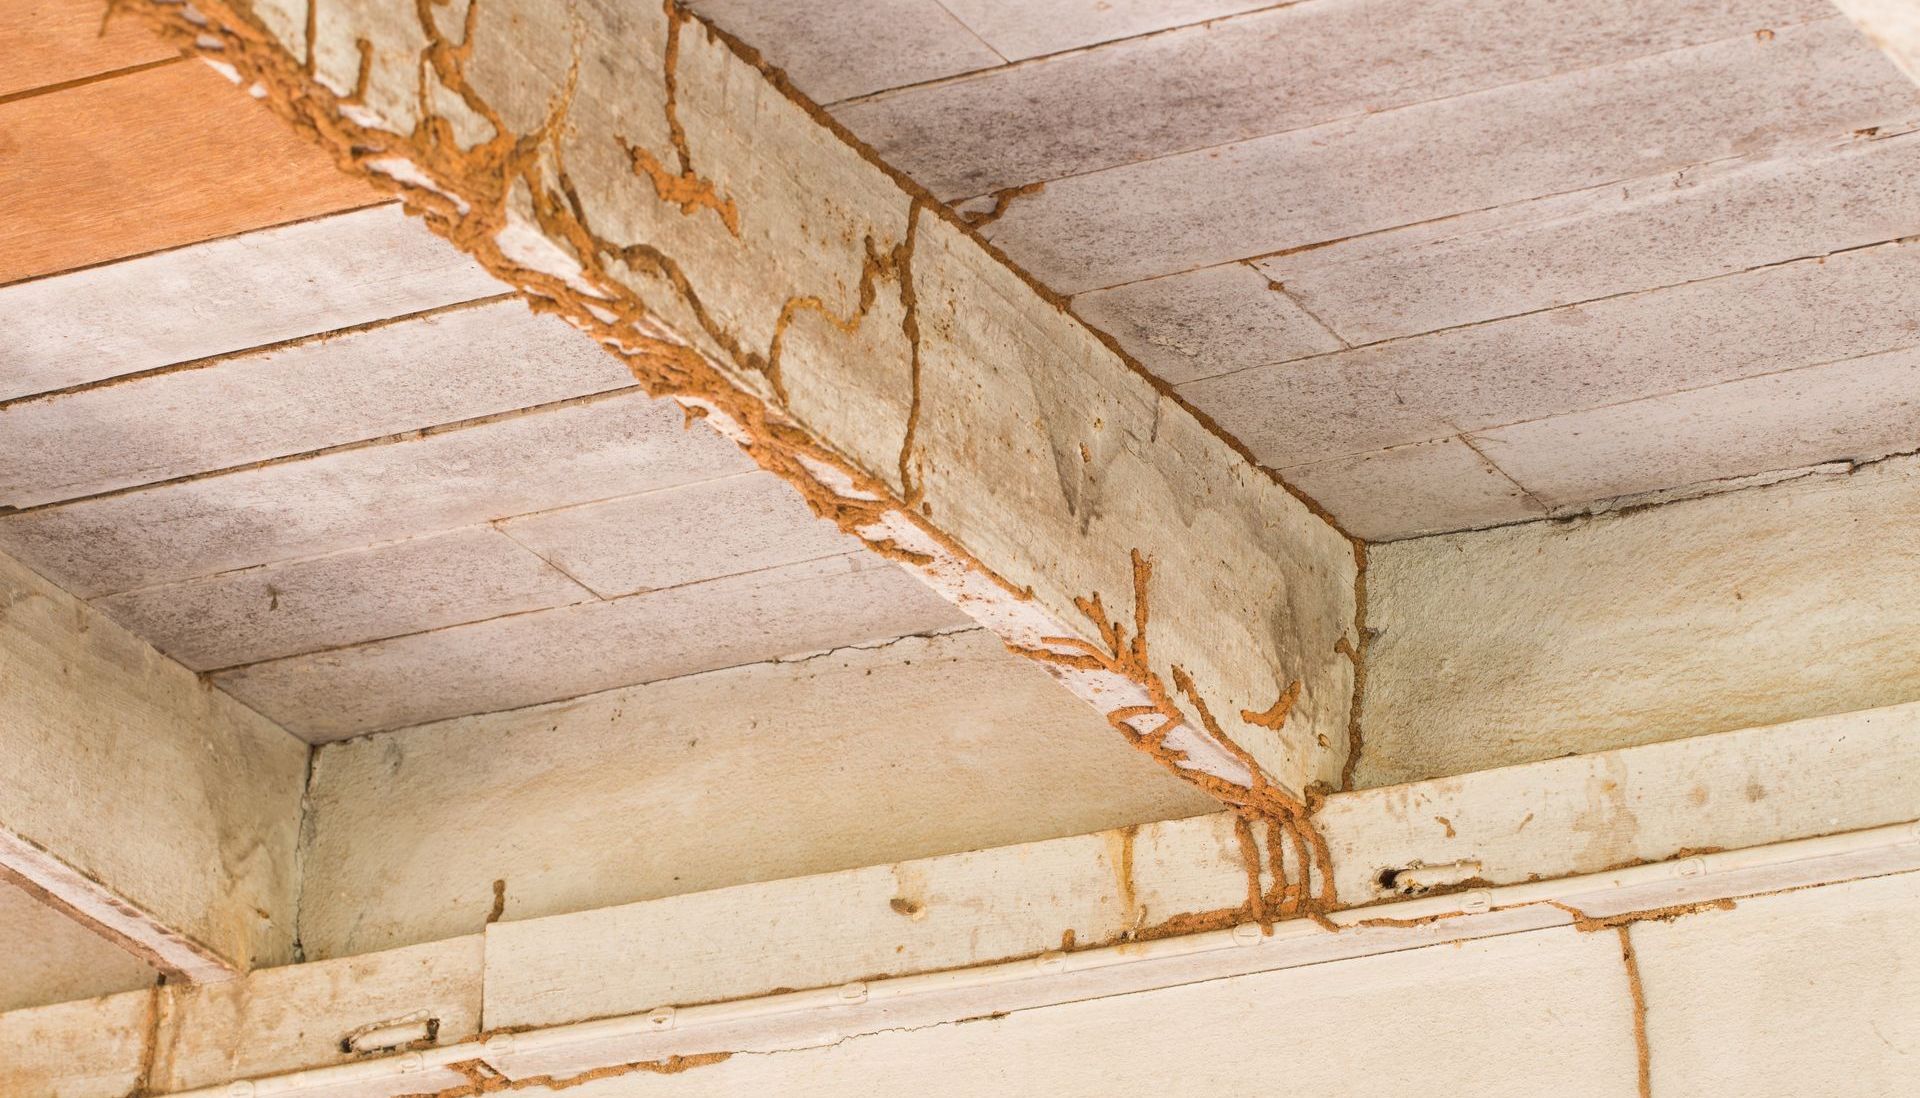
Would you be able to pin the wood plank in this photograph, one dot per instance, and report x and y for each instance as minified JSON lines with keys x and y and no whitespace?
{"x":1290,"y":68}
{"x":1728,"y":611}
{"x":1859,"y":409}
{"x":52,"y":958}
{"x":309,"y":1015}
{"x":1424,"y":488}
{"x":55,"y":41}
{"x":1786,"y":995}
{"x":227,"y":295}
{"x":681,"y":535}
{"x":834,"y":52}
{"x":279,"y":610}
{"x":1577,"y":130}
{"x":376,"y":382}
{"x":1702,"y":222}
{"x":719,"y":779}
{"x":150,"y":160}
{"x":1020,"y":31}
{"x":568,"y":651}
{"x":609,"y":446}
{"x":139,"y":796}
{"x":92,"y":1048}
{"x":1542,"y":822}
{"x":1518,"y":1016}
{"x":1206,"y":322}
{"x":1602,"y":352}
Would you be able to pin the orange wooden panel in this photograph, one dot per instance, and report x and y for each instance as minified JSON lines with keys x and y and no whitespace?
{"x":150,"y":160}
{"x":46,"y":42}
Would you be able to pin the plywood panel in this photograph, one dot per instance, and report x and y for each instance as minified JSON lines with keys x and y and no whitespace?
{"x":1572,"y":358}
{"x":227,"y":295}
{"x":150,"y":160}
{"x":1418,"y":489}
{"x":344,"y":598}
{"x":1201,"y":323}
{"x":602,"y":447}
{"x":568,"y":651}
{"x":751,"y":774}
{"x":681,"y":535}
{"x":1297,"y":66}
{"x":1581,"y":129}
{"x":1019,"y":30}
{"x":1702,"y":222}
{"x":423,"y":372}
{"x":836,"y":51}
{"x":1859,"y":409}
{"x":54,"y":41}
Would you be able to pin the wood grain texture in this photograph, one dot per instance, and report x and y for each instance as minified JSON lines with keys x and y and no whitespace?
{"x":225,"y":296}
{"x":150,"y":160}
{"x":55,"y":41}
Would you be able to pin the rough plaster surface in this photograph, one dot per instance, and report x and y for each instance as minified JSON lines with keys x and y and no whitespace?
{"x":920,"y":747}
{"x":48,"y":957}
{"x":1803,"y":993}
{"x":1730,"y":611}
{"x":128,"y":768}
{"x":858,"y":340}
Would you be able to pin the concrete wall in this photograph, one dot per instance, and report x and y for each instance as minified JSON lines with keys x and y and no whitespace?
{"x":1731,"y":611}
{"x":860,"y":756}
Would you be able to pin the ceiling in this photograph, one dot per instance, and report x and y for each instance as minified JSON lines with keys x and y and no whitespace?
{"x":1443,"y":264}
{"x":300,"y":444}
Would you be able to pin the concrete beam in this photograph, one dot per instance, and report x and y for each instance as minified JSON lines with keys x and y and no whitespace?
{"x":139,"y":798}
{"x":641,"y":174}
{"x":1661,"y":832}
{"x":1893,"y":25}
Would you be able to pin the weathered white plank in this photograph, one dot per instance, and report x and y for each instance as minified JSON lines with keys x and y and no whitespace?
{"x":838,"y":51}
{"x":591,"y":450}
{"x":1768,"y":206}
{"x":1517,"y":1016}
{"x":91,"y":1048}
{"x":1858,"y":409}
{"x":567,"y":651}
{"x":1582,"y":129}
{"x":49,"y":957}
{"x":1423,"y":488}
{"x":1571,"y":358}
{"x":681,"y":535}
{"x":714,"y":780}
{"x":319,"y":1014}
{"x":1020,"y":30}
{"x":139,"y":795}
{"x":422,"y":372}
{"x":1728,"y":611}
{"x":1801,"y":993}
{"x":1293,"y":67}
{"x":227,"y":295}
{"x":1206,"y":322}
{"x":359,"y":595}
{"x":1546,"y":821}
